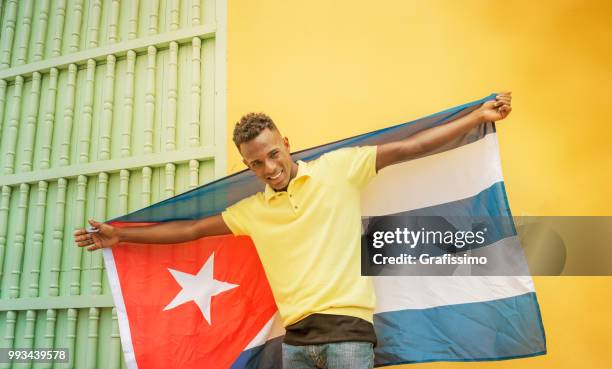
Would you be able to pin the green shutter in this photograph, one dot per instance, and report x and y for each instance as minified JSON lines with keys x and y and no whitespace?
{"x":105,"y":107}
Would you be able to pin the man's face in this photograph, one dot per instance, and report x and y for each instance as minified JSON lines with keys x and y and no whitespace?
{"x":268,"y":156}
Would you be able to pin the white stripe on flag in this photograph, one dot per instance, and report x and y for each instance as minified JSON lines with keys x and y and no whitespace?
{"x":124,"y":325}
{"x":422,"y":292}
{"x":436,"y":179}
{"x":272,"y":329}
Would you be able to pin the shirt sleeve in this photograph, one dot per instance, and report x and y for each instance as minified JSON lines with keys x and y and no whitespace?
{"x":357,"y":164}
{"x":236,"y":218}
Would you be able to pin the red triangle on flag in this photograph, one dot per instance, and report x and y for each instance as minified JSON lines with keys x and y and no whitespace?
{"x":181,"y":336}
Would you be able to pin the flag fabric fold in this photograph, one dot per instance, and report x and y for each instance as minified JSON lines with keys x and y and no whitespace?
{"x":207,"y":303}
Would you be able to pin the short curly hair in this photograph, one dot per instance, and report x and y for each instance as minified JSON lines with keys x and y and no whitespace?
{"x":250,"y":126}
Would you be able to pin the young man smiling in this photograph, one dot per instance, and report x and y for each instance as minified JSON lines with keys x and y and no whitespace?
{"x":306,"y":226}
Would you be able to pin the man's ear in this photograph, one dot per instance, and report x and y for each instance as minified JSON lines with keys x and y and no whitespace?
{"x":286,"y":143}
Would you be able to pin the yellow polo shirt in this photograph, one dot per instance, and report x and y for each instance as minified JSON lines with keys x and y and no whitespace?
{"x":308,"y":237}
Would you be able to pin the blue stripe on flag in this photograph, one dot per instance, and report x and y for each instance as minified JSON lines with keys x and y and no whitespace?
{"x":266,"y":356}
{"x":492,"y":330}
{"x":487,"y":209}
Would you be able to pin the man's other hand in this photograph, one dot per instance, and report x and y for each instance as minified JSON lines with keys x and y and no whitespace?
{"x":106,"y":236}
{"x":498,"y":109}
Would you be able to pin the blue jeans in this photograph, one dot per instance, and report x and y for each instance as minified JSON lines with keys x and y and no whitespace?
{"x":337,"y":355}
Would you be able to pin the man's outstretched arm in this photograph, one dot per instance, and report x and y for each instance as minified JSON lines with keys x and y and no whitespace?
{"x":432,"y":138}
{"x":166,"y":232}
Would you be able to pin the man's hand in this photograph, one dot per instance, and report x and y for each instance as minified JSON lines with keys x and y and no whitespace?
{"x":106,"y":236}
{"x":432,"y":138}
{"x":498,"y":109}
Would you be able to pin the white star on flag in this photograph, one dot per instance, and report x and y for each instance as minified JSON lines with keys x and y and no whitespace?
{"x":199,"y":288}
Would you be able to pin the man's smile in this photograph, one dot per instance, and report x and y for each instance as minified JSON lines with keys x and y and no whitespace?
{"x":275,"y":177}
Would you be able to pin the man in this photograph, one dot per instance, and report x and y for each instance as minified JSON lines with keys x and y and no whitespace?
{"x":306,"y":226}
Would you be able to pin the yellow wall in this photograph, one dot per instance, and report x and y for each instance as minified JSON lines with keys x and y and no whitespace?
{"x":326,"y":70}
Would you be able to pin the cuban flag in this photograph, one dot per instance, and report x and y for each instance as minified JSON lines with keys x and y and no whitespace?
{"x":207,"y":303}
